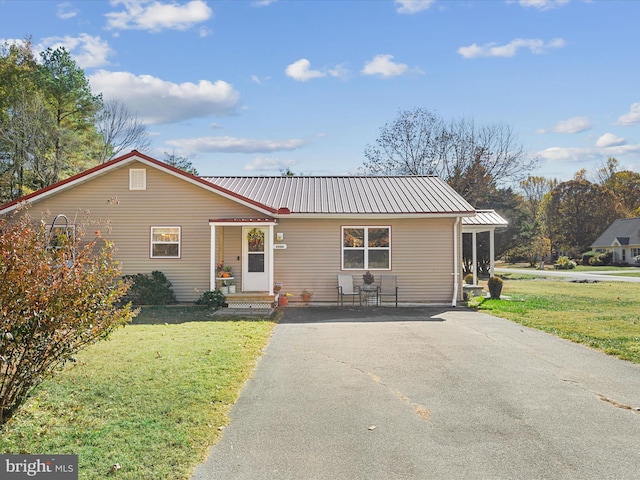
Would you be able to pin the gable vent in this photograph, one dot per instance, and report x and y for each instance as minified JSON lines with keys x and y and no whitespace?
{"x":137,"y":179}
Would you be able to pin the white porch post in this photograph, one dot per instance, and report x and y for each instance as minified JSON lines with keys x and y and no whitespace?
{"x":271,"y":255}
{"x":212,"y":274}
{"x":475,"y":257}
{"x":492,"y":252}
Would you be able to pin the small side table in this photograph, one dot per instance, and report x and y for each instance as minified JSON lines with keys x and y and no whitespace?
{"x":223,"y":282}
{"x":369,"y":297}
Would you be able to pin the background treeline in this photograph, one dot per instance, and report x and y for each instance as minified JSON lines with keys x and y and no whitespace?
{"x":51,"y":124}
{"x":489,"y":167}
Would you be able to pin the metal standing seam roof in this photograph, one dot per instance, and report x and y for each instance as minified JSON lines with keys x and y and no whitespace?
{"x":485,"y":218}
{"x":349,"y":194}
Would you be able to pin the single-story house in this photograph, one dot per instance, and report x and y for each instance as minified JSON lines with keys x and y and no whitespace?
{"x":298,"y":231}
{"x":622,"y":239}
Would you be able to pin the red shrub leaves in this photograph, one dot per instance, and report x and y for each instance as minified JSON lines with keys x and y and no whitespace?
{"x":58,"y":294}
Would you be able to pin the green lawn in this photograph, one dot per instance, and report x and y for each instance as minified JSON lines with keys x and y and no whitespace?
{"x":156,"y":395}
{"x":602,"y":315}
{"x":151,"y":399}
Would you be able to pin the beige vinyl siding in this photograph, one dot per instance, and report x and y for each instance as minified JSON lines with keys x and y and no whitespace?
{"x":125,"y":217}
{"x":421,"y":257}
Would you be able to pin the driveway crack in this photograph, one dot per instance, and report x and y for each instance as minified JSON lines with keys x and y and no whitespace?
{"x":617,"y":404}
{"x":420,"y":410}
{"x":604,"y":398}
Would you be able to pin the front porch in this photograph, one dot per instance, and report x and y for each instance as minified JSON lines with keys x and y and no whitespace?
{"x":246,"y":244}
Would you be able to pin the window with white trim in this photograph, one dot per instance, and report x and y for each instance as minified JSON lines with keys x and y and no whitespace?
{"x":137,"y":179}
{"x":366,"y":248}
{"x":165,"y":242}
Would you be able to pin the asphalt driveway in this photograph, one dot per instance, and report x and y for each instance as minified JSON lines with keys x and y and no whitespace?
{"x":415,"y":393}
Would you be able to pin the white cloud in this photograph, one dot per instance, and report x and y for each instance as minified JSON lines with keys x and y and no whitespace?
{"x":542,"y":4}
{"x":157,"y":101}
{"x":86,"y":50}
{"x":228,"y":144}
{"x":588,"y":154}
{"x":339,"y":71}
{"x":264,"y":164}
{"x":610,"y":140}
{"x":536,"y":46}
{"x":157,"y":15}
{"x":66,"y":11}
{"x":632,"y":117}
{"x":262,"y":3}
{"x":572,"y":125}
{"x":384,"y":66}
{"x":413,"y":6}
{"x":301,"y":71}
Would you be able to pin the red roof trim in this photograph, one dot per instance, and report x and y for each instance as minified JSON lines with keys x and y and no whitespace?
{"x":243,"y":220}
{"x":124,"y":158}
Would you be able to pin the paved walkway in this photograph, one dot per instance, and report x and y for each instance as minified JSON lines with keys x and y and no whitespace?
{"x":415,"y":393}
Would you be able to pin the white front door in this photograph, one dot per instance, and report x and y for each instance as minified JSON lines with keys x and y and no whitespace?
{"x":256,"y":248}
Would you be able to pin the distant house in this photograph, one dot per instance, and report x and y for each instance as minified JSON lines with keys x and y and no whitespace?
{"x":300,"y":232}
{"x":622,"y":239}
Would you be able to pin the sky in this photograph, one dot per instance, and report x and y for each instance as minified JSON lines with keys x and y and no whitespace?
{"x":255,"y":87}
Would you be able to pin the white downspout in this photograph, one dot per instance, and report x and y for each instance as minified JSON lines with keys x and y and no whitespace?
{"x":271,"y":259}
{"x":212,"y":267}
{"x":456,"y":274}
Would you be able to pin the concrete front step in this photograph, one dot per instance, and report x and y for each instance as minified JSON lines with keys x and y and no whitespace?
{"x":250,"y":300}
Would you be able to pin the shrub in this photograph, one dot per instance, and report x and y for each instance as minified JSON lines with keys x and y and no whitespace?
{"x":587,"y":256}
{"x":54,"y":301}
{"x":601,"y":259}
{"x":564,"y":263}
{"x":495,"y":286}
{"x":213,"y":299}
{"x":149,"y":290}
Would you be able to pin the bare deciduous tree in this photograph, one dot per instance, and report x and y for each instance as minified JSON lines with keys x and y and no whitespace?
{"x":120,"y":130}
{"x":25,"y":134}
{"x":470,"y":158}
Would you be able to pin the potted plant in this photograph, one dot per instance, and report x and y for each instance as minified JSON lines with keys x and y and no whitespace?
{"x":232,"y":287}
{"x":306,"y":296}
{"x":226,"y":273}
{"x":468,"y":279}
{"x":219,"y":268}
{"x":277,"y":286}
{"x":283,"y":299}
{"x":368,"y":280}
{"x":495,"y":287}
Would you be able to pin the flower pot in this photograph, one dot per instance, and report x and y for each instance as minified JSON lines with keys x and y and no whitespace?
{"x":306,"y":298}
{"x":495,"y":290}
{"x":232,"y":289}
{"x":224,"y":290}
{"x":283,"y":301}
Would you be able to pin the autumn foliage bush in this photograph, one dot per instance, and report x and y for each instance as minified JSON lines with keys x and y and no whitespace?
{"x":56,"y":297}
